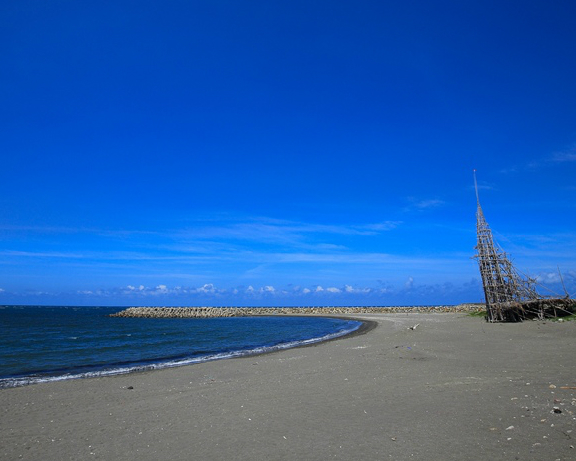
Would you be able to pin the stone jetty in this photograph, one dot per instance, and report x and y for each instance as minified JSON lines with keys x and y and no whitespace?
{"x":209,"y":312}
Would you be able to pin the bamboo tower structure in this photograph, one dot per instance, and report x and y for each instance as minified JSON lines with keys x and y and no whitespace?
{"x":503,"y":285}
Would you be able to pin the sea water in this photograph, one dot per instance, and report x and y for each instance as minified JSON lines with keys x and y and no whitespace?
{"x":40,"y":343}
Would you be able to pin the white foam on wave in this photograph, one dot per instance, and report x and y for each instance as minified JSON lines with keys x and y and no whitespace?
{"x":26,"y":380}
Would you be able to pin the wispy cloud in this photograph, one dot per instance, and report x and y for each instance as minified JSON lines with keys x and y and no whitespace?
{"x":423,"y":204}
{"x":280,"y":231}
{"x":568,"y":155}
{"x":510,"y":169}
{"x":102,"y":256}
{"x":229,"y":235}
{"x":483,"y":185}
{"x":268,"y":294}
{"x":44,"y":254}
{"x":74,"y":230}
{"x":555,"y":247}
{"x":249,"y":266}
{"x":563,"y":156}
{"x":246,"y":257}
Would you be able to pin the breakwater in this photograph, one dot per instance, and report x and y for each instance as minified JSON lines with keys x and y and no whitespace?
{"x":209,"y":312}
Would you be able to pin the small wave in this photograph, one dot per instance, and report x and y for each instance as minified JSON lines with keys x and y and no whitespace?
{"x":6,"y":383}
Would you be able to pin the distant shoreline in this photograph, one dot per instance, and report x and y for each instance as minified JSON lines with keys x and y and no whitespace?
{"x":208,"y":312}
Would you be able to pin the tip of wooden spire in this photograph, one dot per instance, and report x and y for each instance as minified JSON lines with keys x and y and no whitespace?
{"x":476,"y":188}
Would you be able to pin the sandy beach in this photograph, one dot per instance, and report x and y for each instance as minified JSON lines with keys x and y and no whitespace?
{"x":453,"y":388}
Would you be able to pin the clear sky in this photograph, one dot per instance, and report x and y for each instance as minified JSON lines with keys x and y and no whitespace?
{"x":210,"y":152}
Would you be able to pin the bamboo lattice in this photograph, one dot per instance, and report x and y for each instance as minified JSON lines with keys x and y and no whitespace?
{"x":503,"y":285}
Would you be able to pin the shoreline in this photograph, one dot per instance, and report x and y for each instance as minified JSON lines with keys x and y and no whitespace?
{"x":364,"y":327}
{"x":453,"y":388}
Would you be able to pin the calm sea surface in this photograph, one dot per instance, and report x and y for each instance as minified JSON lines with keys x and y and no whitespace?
{"x":39,"y":343}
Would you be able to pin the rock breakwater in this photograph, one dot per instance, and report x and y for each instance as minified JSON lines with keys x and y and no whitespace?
{"x":209,"y":312}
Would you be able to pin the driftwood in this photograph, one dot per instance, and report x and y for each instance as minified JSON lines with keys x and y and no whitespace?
{"x":534,"y":309}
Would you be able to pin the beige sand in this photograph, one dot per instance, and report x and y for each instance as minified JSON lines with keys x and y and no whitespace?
{"x":455,"y":388}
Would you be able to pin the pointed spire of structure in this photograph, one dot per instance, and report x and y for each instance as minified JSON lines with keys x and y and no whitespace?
{"x":500,"y":279}
{"x":476,"y":189}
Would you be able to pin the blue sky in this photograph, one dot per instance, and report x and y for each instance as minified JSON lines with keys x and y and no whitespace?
{"x":282,"y":153}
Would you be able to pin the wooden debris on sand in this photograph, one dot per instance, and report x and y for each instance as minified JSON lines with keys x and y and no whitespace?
{"x":534,"y":309}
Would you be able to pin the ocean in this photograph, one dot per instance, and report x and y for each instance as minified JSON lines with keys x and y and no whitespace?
{"x":40,"y":343}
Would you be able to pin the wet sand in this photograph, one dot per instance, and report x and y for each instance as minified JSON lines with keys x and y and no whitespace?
{"x":453,"y":388}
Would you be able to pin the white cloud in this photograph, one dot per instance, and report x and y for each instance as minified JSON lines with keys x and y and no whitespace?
{"x":556,"y":284}
{"x":351,"y":289}
{"x":549,"y":277}
{"x":268,"y":289}
{"x":306,"y":291}
{"x":133,"y":288}
{"x":333,"y":290}
{"x":206,"y":288}
{"x":319,"y":289}
{"x":2,"y":290}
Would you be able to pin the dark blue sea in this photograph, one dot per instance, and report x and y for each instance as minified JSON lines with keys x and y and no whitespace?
{"x":40,"y":344}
